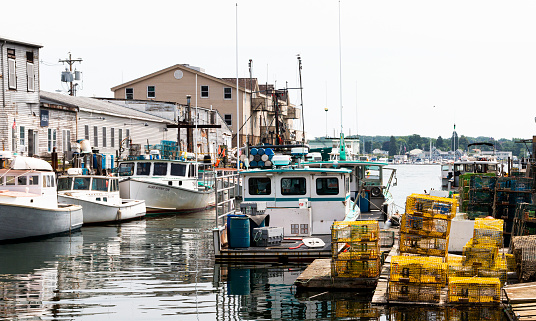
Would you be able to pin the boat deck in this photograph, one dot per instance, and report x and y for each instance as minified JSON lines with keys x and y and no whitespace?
{"x":289,"y":250}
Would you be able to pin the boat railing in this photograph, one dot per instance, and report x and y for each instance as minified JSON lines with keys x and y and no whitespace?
{"x":227,"y":183}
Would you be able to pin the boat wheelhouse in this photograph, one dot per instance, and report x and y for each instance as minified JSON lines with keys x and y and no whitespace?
{"x":451,"y":172}
{"x":99,"y":196}
{"x":29,"y":204}
{"x":164,"y":184}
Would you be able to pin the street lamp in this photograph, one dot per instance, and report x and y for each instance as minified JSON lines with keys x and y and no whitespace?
{"x":326,"y":109}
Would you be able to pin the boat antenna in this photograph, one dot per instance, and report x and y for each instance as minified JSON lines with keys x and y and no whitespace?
{"x":301,"y":99}
{"x":237,"y":97}
{"x":342,"y":149}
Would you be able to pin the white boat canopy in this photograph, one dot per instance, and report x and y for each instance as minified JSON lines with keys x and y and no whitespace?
{"x":30,"y":163}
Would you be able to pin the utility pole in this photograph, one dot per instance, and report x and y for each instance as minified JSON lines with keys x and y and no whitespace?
{"x":70,"y":62}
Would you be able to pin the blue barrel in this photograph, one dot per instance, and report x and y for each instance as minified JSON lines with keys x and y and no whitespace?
{"x":253,"y":151}
{"x":260,"y":163}
{"x":253,"y":164}
{"x":260,"y":151}
{"x":269,"y":152}
{"x":239,"y":230}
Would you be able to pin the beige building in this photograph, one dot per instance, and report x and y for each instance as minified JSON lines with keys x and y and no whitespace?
{"x":256,"y":104}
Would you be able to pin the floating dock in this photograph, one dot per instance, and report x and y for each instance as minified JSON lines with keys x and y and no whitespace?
{"x":520,"y":301}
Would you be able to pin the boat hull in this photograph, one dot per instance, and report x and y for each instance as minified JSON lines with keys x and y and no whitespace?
{"x":98,"y":212}
{"x":19,"y":221}
{"x":161,"y":197}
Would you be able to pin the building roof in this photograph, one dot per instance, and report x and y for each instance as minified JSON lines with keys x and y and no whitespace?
{"x":20,"y":42}
{"x":249,"y":84}
{"x":183,"y":67}
{"x":94,"y":105}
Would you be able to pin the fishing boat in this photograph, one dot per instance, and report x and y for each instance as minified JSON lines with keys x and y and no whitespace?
{"x":478,"y":163}
{"x":29,"y":204}
{"x":164,"y":184}
{"x":294,"y":203}
{"x":99,"y":196}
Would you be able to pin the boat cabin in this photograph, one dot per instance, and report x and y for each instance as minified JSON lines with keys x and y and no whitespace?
{"x":304,"y":201}
{"x":450,"y":173}
{"x":28,"y":187}
{"x":170,"y":172}
{"x":95,"y":188}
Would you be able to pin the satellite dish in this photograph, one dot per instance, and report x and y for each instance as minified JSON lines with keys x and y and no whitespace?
{"x":178,"y":74}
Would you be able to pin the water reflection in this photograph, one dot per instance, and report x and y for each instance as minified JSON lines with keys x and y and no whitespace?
{"x":163,"y":267}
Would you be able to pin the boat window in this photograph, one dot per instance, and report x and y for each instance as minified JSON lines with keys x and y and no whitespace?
{"x":160,"y":169}
{"x":1,"y":180}
{"x":34,"y":180}
{"x":492,"y":168}
{"x":445,"y":167}
{"x":115,"y":185}
{"x":191,"y":171}
{"x":293,"y":186}
{"x":468,"y":168}
{"x":260,"y":186}
{"x":458,"y":168}
{"x":143,"y":169}
{"x":100,"y":184}
{"x":327,"y":186}
{"x":64,"y":183}
{"x":347,"y":187}
{"x":10,"y":180}
{"x":81,"y":183}
{"x":48,"y":181}
{"x":178,"y":169}
{"x":352,"y":169}
{"x":126,"y":169}
{"x":372,"y":172}
{"x":21,"y":180}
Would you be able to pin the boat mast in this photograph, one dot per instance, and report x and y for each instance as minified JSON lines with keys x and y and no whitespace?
{"x":342,"y":148}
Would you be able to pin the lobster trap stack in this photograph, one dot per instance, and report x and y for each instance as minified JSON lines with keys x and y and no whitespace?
{"x":355,"y":249}
{"x":425,"y":226}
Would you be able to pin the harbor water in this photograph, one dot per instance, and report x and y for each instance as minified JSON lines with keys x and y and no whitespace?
{"x":162,"y":268}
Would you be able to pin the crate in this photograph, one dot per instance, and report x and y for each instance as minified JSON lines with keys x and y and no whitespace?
{"x":431,"y":206}
{"x":387,"y":238}
{"x":480,"y":196}
{"x":426,"y":226}
{"x":267,"y":235}
{"x":483,"y":182}
{"x":488,"y":236}
{"x":497,"y":270}
{"x":489,"y":223}
{"x":414,"y":292}
{"x":356,"y":268}
{"x":424,"y":245}
{"x":416,"y":269}
{"x":354,"y":231}
{"x":480,"y":255}
{"x":356,"y":250}
{"x":474,"y":290}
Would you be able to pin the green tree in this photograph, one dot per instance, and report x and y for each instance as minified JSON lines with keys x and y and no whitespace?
{"x":439,"y":143}
{"x":463,"y":142}
{"x":393,"y":148}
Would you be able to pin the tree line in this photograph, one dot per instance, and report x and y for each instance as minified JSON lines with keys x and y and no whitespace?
{"x":397,"y":145}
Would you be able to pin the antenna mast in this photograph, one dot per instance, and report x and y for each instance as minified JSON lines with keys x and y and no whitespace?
{"x":301,"y":99}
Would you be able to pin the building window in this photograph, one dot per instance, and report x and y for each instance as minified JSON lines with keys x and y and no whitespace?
{"x":86,"y":132}
{"x":11,"y":67}
{"x":129,"y":93}
{"x":51,"y":139}
{"x":66,"y":140}
{"x":103,"y":136}
{"x":228,"y":119}
{"x":151,"y":92}
{"x":227,"y":93}
{"x":22,"y":131}
{"x":204,"y":91}
{"x":112,"y":137}
{"x":30,"y":76}
{"x":120,"y":137}
{"x":95,"y":136}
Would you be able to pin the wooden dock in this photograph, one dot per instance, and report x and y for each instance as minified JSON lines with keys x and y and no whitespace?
{"x":318,"y":276}
{"x":520,"y":301}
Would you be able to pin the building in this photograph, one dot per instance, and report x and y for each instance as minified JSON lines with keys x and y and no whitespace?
{"x":257,"y":105}
{"x":20,"y":129}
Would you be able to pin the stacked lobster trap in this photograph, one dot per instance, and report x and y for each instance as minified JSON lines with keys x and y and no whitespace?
{"x":355,"y":249}
{"x":478,"y":275}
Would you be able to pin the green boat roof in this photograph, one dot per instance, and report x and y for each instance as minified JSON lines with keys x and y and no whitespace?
{"x":352,"y":162}
{"x":298,"y":170}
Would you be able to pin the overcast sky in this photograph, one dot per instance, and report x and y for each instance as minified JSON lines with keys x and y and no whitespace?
{"x":475,"y":61}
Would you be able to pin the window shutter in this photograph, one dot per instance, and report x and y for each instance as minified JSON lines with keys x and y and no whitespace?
{"x":30,"y":76}
{"x":12,"y":74}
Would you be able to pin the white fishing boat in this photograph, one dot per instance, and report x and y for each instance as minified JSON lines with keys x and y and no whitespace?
{"x":99,"y":196}
{"x":29,"y":204}
{"x":164,"y":184}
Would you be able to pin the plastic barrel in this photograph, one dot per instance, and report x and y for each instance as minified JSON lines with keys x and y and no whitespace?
{"x":264,"y":158}
{"x":253,"y":151}
{"x":269,"y":151}
{"x":239,"y":232}
{"x":260,"y":163}
{"x":257,"y":158}
{"x":251,"y":157}
{"x":253,"y":164}
{"x":260,"y":151}
{"x":268,"y":163}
